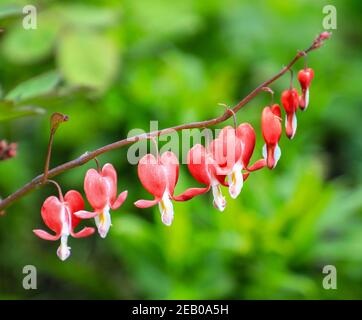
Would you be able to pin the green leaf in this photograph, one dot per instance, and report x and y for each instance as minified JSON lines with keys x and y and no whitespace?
{"x":38,"y":86}
{"x":9,"y":11}
{"x":87,"y":59}
{"x":29,"y":46}
{"x":81,"y":15}
{"x":9,"y":112}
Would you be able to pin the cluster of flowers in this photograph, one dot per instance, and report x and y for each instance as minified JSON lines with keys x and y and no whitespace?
{"x":224,"y":162}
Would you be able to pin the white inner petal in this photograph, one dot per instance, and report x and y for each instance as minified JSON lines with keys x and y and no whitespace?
{"x":103,"y":222}
{"x":63,"y":251}
{"x":264,"y":152}
{"x":235,"y":180}
{"x":166,"y":209}
{"x":219,"y":200}
{"x":306,"y":99}
{"x":277,"y":154}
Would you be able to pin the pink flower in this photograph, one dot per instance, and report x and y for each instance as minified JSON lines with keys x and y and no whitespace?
{"x":101,"y":191}
{"x":232,"y":151}
{"x":272,"y":130}
{"x":305,"y":77}
{"x":205,"y":169}
{"x":59,"y":216}
{"x":290,"y":102}
{"x":159,"y":176}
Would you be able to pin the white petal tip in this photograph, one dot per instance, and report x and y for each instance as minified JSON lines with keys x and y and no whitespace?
{"x":167,"y":222}
{"x":63,"y":253}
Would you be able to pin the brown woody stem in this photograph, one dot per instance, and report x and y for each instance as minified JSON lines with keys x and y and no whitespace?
{"x":121,"y":143}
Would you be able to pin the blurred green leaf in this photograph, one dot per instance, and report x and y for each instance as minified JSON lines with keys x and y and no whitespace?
{"x":87,"y":16}
{"x":38,"y":86}
{"x":10,"y":11}
{"x":29,"y":46}
{"x":9,"y":112}
{"x":87,"y":59}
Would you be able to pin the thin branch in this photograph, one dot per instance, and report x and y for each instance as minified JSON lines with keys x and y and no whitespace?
{"x":37,"y":181}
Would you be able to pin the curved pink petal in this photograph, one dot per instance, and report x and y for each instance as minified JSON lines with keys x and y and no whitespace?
{"x":290,"y":100}
{"x":75,"y":202}
{"x":226,"y":149}
{"x":197,"y":164}
{"x":152,"y":175}
{"x":171,"y":166}
{"x":119,"y":201}
{"x":51,"y":213}
{"x":261,"y":163}
{"x":246,"y":134}
{"x":190,"y":193}
{"x":271,"y":124}
{"x":146,"y":203}
{"x":45,"y":235}
{"x":96,"y":189}
{"x":85,"y":232}
{"x":110,"y":174}
{"x":86,"y":214}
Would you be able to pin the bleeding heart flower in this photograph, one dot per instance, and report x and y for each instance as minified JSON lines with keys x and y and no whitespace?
{"x":290,"y":102}
{"x":204,"y":168}
{"x":305,"y":77}
{"x":232,"y":151}
{"x":101,"y":191}
{"x":59,"y":215}
{"x":272,"y":130}
{"x":159,"y":176}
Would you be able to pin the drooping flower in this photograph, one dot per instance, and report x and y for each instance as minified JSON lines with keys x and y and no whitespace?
{"x":101,"y":191}
{"x":226,"y":152}
{"x":204,"y":168}
{"x":59,"y":215}
{"x":272,"y":130}
{"x":305,"y":77}
{"x":290,"y":102}
{"x":232,"y":151}
{"x":159,"y":176}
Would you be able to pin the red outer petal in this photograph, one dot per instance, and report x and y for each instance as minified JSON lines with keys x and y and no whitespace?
{"x":226,"y":149}
{"x":86,"y":214}
{"x":85,"y":232}
{"x":246,"y":134}
{"x":171,"y":166}
{"x":51,"y":214}
{"x":146,"y":203}
{"x":75,"y":202}
{"x":290,"y":130}
{"x":197,"y":164}
{"x":270,"y":155}
{"x":271,"y":124}
{"x":110,"y":175}
{"x":119,"y":201}
{"x":290,"y":100}
{"x":305,"y":77}
{"x":152,"y":175}
{"x":276,"y":110}
{"x":96,"y":189}
{"x":222,"y":180}
{"x":246,"y":176}
{"x":190,"y":193}
{"x":257,"y":165}
{"x":45,"y":235}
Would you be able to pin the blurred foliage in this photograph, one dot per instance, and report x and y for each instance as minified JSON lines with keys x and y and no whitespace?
{"x":115,"y":65}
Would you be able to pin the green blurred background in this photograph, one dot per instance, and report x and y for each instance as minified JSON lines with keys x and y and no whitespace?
{"x":114,"y":65}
